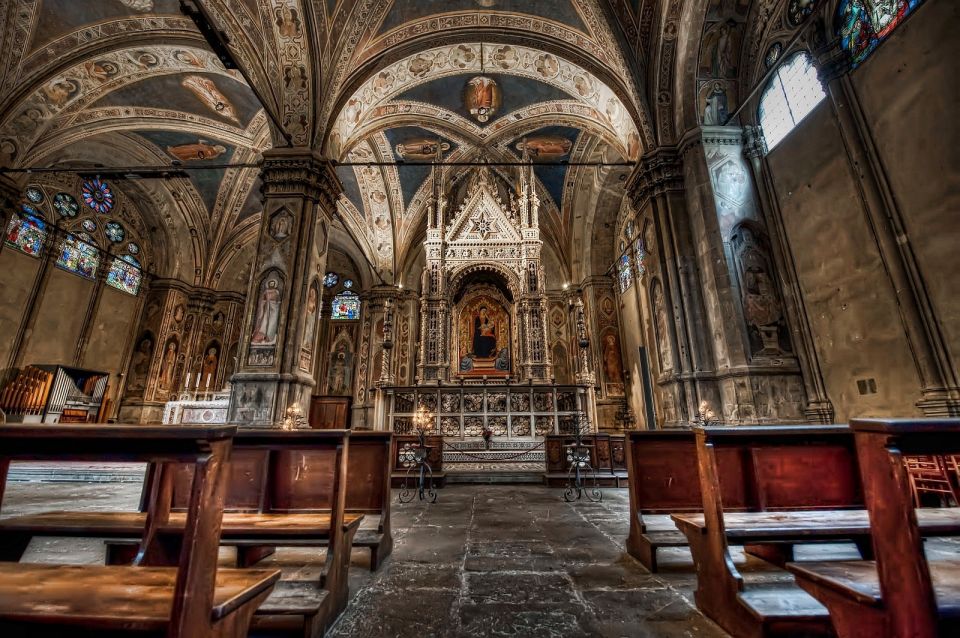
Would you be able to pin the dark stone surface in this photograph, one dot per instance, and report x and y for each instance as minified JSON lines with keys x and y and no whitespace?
{"x":503,"y":561}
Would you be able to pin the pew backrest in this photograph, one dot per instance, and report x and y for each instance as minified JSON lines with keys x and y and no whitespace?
{"x":905,"y":582}
{"x":206,"y":447}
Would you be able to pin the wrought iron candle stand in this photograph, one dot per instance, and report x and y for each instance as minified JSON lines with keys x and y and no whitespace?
{"x":581,"y":471}
{"x":415,"y":458}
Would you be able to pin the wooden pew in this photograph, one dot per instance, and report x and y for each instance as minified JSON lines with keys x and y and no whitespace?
{"x":285,"y":488}
{"x":192,"y":598}
{"x":901,"y":593}
{"x":809,"y":472}
{"x":368,"y":494}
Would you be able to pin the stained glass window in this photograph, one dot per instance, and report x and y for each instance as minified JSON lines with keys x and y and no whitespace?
{"x":626,"y":273}
{"x":640,"y":257}
{"x":34,"y":194}
{"x":89,"y":225}
{"x":124,"y":276}
{"x":114,"y":232}
{"x":97,"y":194}
{"x":346,"y":305}
{"x":133,"y":249}
{"x":863,"y":25}
{"x":27,"y":234}
{"x":130,"y":259}
{"x":348,"y":283}
{"x":78,"y":257}
{"x":330,"y":279}
{"x":32,"y":211}
{"x":793,"y":91}
{"x":66,"y":205}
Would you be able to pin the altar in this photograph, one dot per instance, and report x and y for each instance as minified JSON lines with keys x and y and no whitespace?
{"x":204,"y":408}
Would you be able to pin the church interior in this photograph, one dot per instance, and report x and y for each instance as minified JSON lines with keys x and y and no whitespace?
{"x":384,"y":318}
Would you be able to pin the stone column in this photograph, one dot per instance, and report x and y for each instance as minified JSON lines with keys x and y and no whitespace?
{"x":940,"y":394}
{"x":657,"y":185}
{"x":276,"y":369}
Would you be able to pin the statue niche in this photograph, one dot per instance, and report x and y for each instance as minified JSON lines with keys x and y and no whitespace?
{"x":483,"y":337}
{"x":762,"y":308}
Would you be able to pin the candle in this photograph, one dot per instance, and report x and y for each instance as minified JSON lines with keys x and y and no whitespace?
{"x":197,"y":387}
{"x":208,"y":381}
{"x":186,"y":385}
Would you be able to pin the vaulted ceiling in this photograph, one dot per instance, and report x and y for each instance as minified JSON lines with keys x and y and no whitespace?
{"x":132,"y":82}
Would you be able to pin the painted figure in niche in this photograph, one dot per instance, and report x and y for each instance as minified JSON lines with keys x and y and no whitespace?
{"x":200,"y":150}
{"x":663,"y":335}
{"x":482,"y":98}
{"x":211,"y":360}
{"x":761,"y":304}
{"x":178,"y":313}
{"x":313,"y":301}
{"x":188,"y":58}
{"x":339,"y":374}
{"x":101,"y":70}
{"x":612,"y":365}
{"x":715,"y":111}
{"x":140,"y":362}
{"x":561,"y":365}
{"x":280,"y":226}
{"x":208,"y":93}
{"x":217,"y":324}
{"x":267,"y":321}
{"x":168,"y":364}
{"x":483,"y":338}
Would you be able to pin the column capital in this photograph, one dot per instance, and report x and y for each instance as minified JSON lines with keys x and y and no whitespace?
{"x":658,"y":171}
{"x":300,"y":172}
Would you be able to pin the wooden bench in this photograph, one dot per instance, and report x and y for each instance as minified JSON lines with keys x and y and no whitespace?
{"x":901,"y":593}
{"x":192,"y":598}
{"x":285,"y":488}
{"x":809,"y":475}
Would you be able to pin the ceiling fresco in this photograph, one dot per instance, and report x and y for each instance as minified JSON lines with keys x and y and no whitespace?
{"x":561,"y":11}
{"x":219,"y":97}
{"x":60,"y":17}
{"x":556,"y":81}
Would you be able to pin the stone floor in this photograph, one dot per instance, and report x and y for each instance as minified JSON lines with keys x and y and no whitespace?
{"x":481,"y":561}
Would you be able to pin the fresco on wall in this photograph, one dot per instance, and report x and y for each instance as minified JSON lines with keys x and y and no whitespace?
{"x":266,"y":320}
{"x":193,"y":151}
{"x":762,"y":308}
{"x":140,"y":363}
{"x":310,"y":327}
{"x":664,"y":352}
{"x":209,"y":365}
{"x":412,"y":143}
{"x":483,"y":337}
{"x":612,"y":363}
{"x":561,"y":364}
{"x":168,"y":363}
{"x":340,"y":367}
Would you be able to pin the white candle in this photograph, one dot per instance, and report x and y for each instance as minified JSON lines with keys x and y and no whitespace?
{"x":208,"y":381}
{"x":186,"y":384}
{"x":197,"y":387}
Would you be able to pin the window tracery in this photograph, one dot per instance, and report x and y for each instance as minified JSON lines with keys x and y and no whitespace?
{"x":792,"y":93}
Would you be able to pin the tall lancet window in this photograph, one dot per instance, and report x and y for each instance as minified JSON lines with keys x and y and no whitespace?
{"x":793,"y":91}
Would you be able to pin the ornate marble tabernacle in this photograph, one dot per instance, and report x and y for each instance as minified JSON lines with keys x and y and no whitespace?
{"x":510,"y":411}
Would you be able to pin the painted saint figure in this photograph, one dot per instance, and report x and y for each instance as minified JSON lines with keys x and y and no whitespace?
{"x":484,"y":335}
{"x":268,"y":314}
{"x":168,"y":364}
{"x":210,"y":362}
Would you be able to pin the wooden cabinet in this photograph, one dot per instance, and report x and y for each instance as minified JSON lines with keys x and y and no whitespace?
{"x":329,"y":412}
